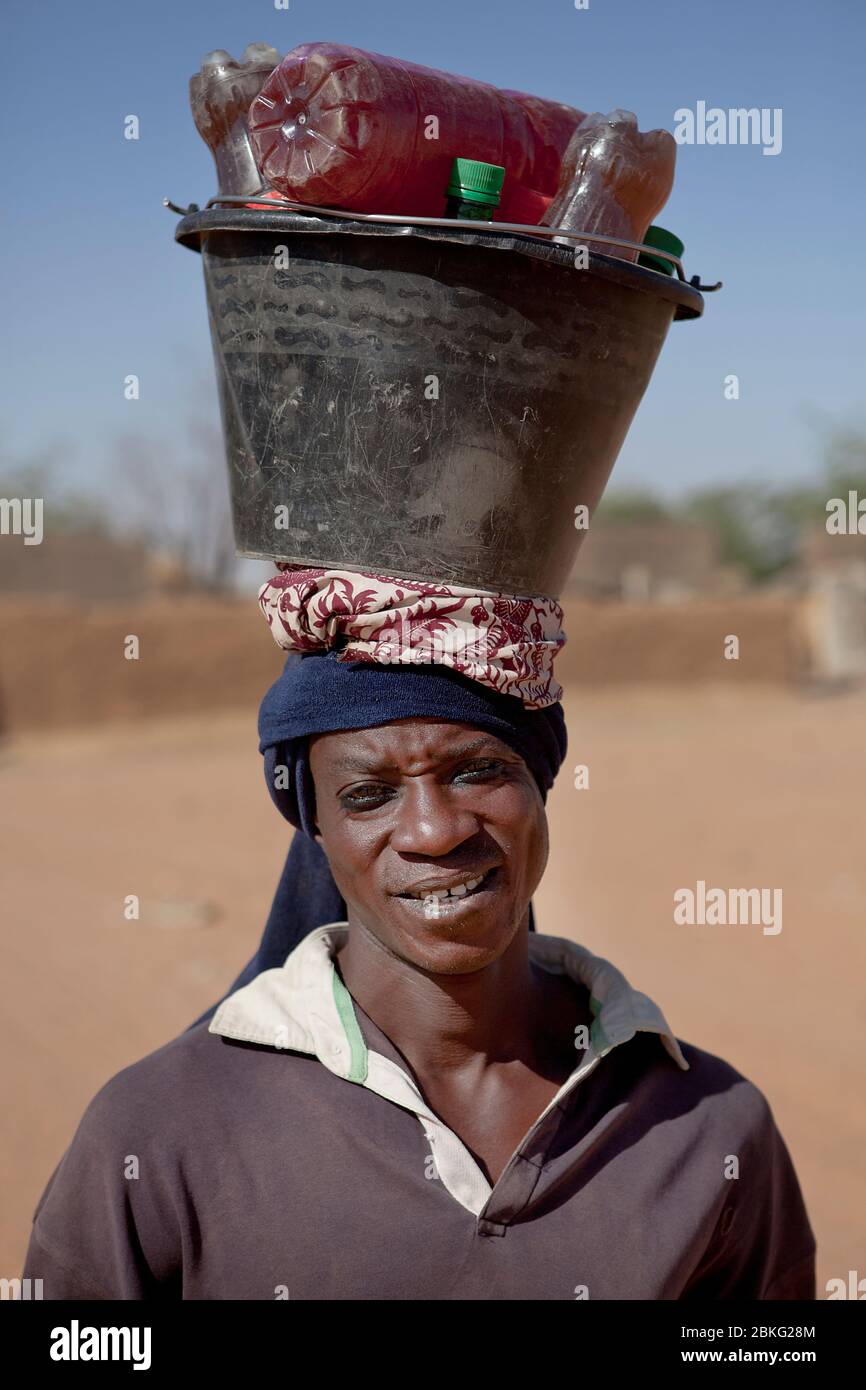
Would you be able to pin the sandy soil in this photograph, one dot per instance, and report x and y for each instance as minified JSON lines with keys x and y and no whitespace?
{"x":749,"y":789}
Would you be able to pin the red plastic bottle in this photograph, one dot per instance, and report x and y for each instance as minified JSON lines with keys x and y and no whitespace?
{"x":339,"y":127}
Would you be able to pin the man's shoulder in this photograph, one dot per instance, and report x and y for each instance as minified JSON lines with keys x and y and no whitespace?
{"x":176,"y":1084}
{"x":723,"y":1099}
{"x":763,"y":1245}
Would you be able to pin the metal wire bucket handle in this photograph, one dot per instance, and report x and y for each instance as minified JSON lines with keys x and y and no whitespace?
{"x":521,"y":228}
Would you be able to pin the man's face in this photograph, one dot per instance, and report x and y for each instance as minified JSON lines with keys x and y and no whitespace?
{"x":427,"y":804}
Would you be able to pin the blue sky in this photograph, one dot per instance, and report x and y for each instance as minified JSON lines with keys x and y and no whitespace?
{"x":96,"y":287}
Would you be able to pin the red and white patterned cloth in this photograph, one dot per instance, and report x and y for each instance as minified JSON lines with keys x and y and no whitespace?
{"x":503,"y":641}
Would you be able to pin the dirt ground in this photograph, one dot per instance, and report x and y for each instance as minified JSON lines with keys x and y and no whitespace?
{"x":756,"y":788}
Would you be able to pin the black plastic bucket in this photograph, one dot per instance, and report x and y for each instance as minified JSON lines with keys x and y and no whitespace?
{"x":423,"y":401}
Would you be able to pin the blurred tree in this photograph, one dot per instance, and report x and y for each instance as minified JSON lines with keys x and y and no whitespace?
{"x":69,"y":510}
{"x":174,"y":495}
{"x":751,"y":528}
{"x":631,"y":504}
{"x":845,"y":461}
{"x":758,"y":527}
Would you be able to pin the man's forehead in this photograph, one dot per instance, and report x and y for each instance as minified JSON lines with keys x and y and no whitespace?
{"x":389,"y":745}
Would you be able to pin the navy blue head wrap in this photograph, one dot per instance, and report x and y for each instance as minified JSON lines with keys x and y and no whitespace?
{"x":318,"y":694}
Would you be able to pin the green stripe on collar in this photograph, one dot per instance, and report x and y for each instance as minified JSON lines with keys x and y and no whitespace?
{"x":597,"y":1036}
{"x":354,"y":1037}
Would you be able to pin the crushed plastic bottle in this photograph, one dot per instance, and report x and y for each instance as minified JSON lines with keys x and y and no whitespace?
{"x":335,"y":126}
{"x":614,"y":180}
{"x":220,"y":96}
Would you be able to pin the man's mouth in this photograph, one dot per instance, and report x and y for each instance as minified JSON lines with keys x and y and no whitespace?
{"x":455,"y":893}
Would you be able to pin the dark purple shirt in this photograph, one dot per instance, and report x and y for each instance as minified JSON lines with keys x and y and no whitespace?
{"x":285,"y":1151}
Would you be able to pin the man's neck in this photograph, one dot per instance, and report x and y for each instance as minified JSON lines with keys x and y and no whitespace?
{"x":448,"y":1024}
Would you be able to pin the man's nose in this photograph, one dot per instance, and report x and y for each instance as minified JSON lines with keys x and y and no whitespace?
{"x":430,"y":820}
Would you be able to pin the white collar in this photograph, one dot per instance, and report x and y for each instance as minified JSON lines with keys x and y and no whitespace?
{"x":303,"y":1005}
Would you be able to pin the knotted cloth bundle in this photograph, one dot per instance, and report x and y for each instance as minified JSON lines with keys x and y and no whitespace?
{"x":505,"y":642}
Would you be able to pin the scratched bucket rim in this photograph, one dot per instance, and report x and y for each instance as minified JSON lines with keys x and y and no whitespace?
{"x":194,"y":228}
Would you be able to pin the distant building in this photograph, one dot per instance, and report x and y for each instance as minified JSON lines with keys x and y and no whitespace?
{"x":831,"y":570}
{"x":651,"y":560}
{"x":819,"y":551}
{"x":86,"y":564}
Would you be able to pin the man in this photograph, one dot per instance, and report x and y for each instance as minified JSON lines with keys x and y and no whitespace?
{"x":426,"y":1099}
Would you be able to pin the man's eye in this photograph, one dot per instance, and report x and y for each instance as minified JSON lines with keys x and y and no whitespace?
{"x":363,"y":798}
{"x":480,"y":768}
{"x":372,"y":794}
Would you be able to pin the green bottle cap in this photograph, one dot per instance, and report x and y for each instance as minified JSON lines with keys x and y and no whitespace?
{"x":476,"y":182}
{"x":665,"y":241}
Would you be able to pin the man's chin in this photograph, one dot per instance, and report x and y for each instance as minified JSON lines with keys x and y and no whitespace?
{"x":450,"y":940}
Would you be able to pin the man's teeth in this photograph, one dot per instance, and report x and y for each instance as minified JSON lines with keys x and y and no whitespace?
{"x":459,"y":891}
